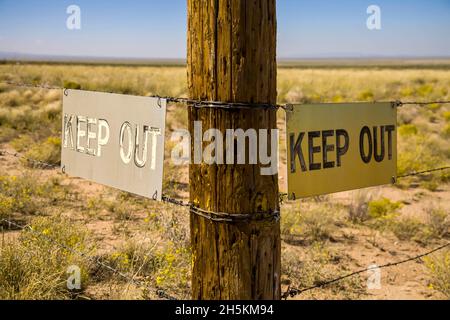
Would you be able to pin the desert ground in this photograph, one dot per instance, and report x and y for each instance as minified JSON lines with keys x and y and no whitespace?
{"x":322,"y":237}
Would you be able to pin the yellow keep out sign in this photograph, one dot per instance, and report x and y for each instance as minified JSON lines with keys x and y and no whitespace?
{"x":339,"y":147}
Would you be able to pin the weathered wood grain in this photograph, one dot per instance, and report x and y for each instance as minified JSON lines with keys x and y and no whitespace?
{"x":232,"y":57}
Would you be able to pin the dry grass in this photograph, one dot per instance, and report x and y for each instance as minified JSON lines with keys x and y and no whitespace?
{"x":439,"y":268}
{"x":33,"y":267}
{"x":151,"y":241}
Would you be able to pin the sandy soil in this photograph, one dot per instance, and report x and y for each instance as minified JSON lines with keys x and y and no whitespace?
{"x":355,"y":247}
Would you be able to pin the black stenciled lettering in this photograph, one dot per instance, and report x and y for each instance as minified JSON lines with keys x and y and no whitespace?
{"x":365,"y":157}
{"x":379,"y":157}
{"x":296,"y":151}
{"x":341,"y":150}
{"x":313,"y":149}
{"x":327,"y":148}
{"x":390,"y":129}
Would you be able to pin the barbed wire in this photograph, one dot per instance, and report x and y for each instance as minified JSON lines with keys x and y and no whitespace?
{"x":208,"y":104}
{"x":196,"y":103}
{"x":35,"y":163}
{"x":418,"y":173}
{"x":231,"y":218}
{"x":421,"y":103}
{"x":159,"y":292}
{"x":207,"y":214}
{"x":176,"y":202}
{"x":210,"y":215}
{"x":292,"y":292}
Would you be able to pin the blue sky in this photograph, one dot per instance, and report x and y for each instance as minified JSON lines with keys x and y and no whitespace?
{"x":157,"y":28}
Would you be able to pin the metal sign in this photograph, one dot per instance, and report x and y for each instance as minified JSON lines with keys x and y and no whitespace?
{"x":339,"y":147}
{"x":116,"y":140}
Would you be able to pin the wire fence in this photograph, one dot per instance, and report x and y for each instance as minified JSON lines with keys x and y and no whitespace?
{"x":192,"y":102}
{"x":214,"y":104}
{"x":159,"y":292}
{"x":181,"y":203}
{"x":418,"y":173}
{"x":291,"y":292}
{"x":423,"y":103}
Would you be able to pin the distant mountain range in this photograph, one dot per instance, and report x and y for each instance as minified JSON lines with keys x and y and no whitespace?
{"x":319,"y":59}
{"x":13,"y":56}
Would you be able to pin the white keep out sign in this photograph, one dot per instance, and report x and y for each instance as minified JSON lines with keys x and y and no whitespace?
{"x":116,"y":140}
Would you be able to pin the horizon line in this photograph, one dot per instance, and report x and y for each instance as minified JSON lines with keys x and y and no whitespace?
{"x":18,"y":56}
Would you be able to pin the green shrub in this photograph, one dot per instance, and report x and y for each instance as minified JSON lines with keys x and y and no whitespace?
{"x":406,"y":92}
{"x":175,"y":268}
{"x":438,"y":222}
{"x":7,"y":205}
{"x":366,"y":95}
{"x":24,"y":120}
{"x":421,"y":153}
{"x":407,"y":130}
{"x":382,"y":213}
{"x":434,"y":106}
{"x":447,"y":116}
{"x":446,"y":130}
{"x":26,"y":195}
{"x":439,"y":269}
{"x":382,"y":208}
{"x":7,"y":133}
{"x":424,"y":90}
{"x":71,"y":85}
{"x":48,"y":151}
{"x":408,"y":229}
{"x":337,"y":98}
{"x":36,"y":123}
{"x":13,"y":99}
{"x":437,"y":226}
{"x":19,"y":194}
{"x":136,"y":256}
{"x":22,"y":143}
{"x":313,"y":225}
{"x":33,"y":267}
{"x":167,"y":266}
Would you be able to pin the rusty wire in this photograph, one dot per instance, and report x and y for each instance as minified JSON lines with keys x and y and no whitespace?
{"x":216,"y":216}
{"x":198,"y":103}
{"x":159,"y":292}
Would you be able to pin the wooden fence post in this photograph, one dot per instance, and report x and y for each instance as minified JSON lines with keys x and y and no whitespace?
{"x":232,"y":58}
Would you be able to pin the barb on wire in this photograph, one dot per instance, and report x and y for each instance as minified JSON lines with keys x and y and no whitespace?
{"x":193,"y":102}
{"x":159,"y":292}
{"x":282,"y":196}
{"x":36,"y":163}
{"x":176,"y":202}
{"x":294,"y":292}
{"x":232,"y":218}
{"x":227,"y":105}
{"x":196,"y":103}
{"x":421,"y":103}
{"x":418,"y":173}
{"x":222,"y":216}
